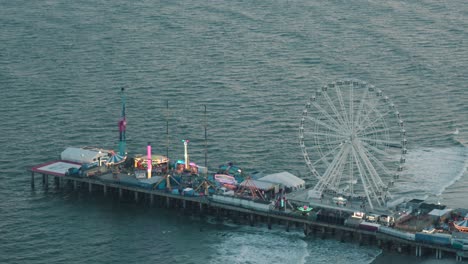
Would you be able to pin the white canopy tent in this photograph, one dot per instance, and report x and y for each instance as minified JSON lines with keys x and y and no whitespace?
{"x":81,"y":155}
{"x":286,"y":179}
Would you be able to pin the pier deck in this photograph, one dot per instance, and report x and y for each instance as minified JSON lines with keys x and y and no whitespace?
{"x":204,"y":205}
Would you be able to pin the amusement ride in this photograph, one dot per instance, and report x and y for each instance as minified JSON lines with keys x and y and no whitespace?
{"x":353,"y":141}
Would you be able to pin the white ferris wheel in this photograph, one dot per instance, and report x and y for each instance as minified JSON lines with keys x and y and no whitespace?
{"x":353,"y":141}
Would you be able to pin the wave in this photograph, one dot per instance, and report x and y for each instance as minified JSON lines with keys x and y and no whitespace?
{"x":430,"y":171}
{"x":259,"y":245}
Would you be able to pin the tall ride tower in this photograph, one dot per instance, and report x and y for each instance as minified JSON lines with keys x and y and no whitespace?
{"x":122,"y":127}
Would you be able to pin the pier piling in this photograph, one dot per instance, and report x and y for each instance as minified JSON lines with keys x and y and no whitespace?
{"x":32,"y":180}
{"x":418,"y":251}
{"x":45,"y":181}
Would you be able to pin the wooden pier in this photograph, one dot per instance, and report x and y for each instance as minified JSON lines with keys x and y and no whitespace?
{"x":273,"y":218}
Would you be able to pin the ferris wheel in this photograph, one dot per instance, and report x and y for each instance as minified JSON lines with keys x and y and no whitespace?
{"x":353,"y":141}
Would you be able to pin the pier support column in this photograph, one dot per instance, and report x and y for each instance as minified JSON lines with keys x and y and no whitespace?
{"x":269,"y":222}
{"x":136,"y":196}
{"x":32,"y":180}
{"x":75,"y":185}
{"x":438,"y":253}
{"x":168,"y":202}
{"x":418,"y":251}
{"x":184,"y":204}
{"x":218,"y":215}
{"x":43,"y":179}
{"x":151,"y":199}
{"x":46,"y":181}
{"x":90,"y":187}
{"x":104,"y":188}
{"x":57,"y":182}
{"x":201,"y":208}
{"x":251,"y":220}
{"x":287,"y":226}
{"x":458,"y":258}
{"x":120,"y":193}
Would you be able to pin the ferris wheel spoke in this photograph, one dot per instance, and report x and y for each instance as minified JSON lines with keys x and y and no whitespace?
{"x":319,"y":122}
{"x":375,"y":131}
{"x":373,"y":185}
{"x":342,"y":105}
{"x":363,"y":176}
{"x":370,"y":168}
{"x":335,"y":111}
{"x":382,"y":142}
{"x":340,"y":168}
{"x":375,"y":149}
{"x":323,"y":144}
{"x":332,"y":151}
{"x":378,"y":162}
{"x":330,"y":118}
{"x":367,"y":111}
{"x":351,"y":108}
{"x":360,"y":108}
{"x":326,"y":177}
{"x":375,"y":120}
{"x":323,"y":134}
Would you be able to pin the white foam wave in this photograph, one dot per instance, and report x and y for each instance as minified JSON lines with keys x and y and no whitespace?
{"x":325,"y":251}
{"x":258,"y":245}
{"x":431,"y":170}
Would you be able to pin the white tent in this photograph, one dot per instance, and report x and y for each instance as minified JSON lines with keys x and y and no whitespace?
{"x":286,"y":179}
{"x":261,"y":185}
{"x":81,"y":155}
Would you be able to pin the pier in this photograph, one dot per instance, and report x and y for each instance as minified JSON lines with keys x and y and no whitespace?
{"x":287,"y":220}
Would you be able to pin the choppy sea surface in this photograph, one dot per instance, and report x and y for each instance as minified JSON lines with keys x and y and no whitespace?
{"x":253,"y":64}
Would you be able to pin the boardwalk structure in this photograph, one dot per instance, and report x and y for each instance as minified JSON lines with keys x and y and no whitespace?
{"x":328,"y":227}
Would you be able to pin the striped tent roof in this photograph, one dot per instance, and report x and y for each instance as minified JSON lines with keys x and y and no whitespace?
{"x":462,"y":225}
{"x":116,"y":159}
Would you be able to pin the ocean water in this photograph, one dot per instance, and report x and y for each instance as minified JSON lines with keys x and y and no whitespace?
{"x":253,"y":64}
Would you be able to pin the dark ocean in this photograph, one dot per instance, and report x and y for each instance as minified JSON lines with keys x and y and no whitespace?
{"x":253,"y":64}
